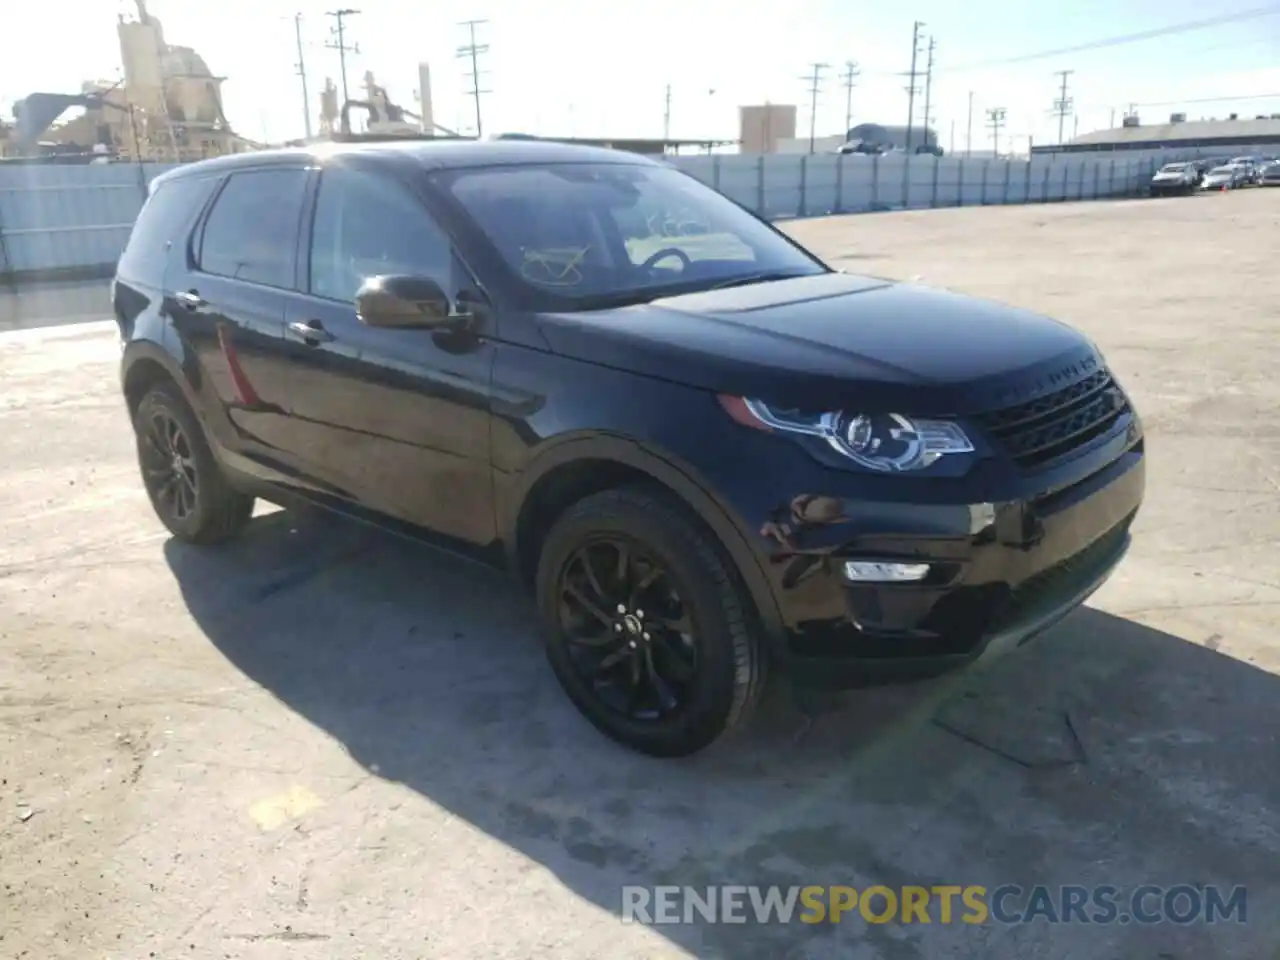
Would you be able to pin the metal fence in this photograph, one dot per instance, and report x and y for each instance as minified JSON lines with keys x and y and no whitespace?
{"x":818,"y":185}
{"x":56,"y":219}
{"x":75,"y":220}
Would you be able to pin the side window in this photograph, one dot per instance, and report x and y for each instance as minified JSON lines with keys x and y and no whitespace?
{"x":164,"y":219}
{"x":368,"y":226}
{"x":252,"y":230}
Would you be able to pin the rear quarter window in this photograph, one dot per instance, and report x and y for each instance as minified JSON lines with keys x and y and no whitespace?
{"x":165,"y":219}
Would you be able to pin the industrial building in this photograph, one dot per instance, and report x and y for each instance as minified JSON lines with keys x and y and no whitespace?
{"x":167,"y":107}
{"x":761,"y":129}
{"x":1227,"y":135}
{"x":771,"y":128}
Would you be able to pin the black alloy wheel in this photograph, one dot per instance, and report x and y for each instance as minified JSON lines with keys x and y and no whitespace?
{"x":649,"y":628}
{"x":184,"y":483}
{"x":169,"y":466}
{"x":629,"y":635}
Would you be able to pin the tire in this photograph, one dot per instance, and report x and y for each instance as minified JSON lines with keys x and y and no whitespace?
{"x":720,"y":654}
{"x":166,"y":430}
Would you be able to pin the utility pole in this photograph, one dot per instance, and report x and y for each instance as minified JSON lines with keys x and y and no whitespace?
{"x":995,"y":120}
{"x":815,"y":84}
{"x":339,"y":43}
{"x":850,"y":77}
{"x":1112,"y":124}
{"x":911,"y":86}
{"x":968,"y":133}
{"x":666,"y":116}
{"x":1063,"y":105}
{"x":928,"y":92}
{"x":302,"y":73}
{"x":472,"y":52}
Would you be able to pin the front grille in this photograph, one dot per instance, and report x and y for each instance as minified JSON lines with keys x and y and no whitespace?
{"x":1043,"y":430}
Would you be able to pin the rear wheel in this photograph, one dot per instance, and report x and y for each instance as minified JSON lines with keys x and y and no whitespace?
{"x":186,"y":487}
{"x":648,"y":628}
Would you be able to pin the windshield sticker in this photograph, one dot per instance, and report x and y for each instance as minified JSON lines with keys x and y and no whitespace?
{"x":556,"y":267}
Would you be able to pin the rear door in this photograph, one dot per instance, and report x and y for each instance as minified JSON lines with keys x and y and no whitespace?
{"x":396,"y":421}
{"x":159,"y":236}
{"x":228,"y":311}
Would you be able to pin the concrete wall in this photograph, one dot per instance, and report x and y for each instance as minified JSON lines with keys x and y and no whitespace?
{"x":75,"y":219}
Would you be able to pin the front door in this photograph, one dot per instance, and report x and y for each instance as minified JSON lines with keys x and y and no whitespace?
{"x":395,"y":421}
{"x":227,"y":302}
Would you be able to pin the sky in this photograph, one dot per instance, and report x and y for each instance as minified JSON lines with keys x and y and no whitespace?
{"x":579,"y":68}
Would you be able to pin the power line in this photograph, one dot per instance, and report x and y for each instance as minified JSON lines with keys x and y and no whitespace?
{"x":911,"y":84}
{"x":1175,"y":103}
{"x":1127,"y":38}
{"x":1063,"y":105}
{"x":302,"y":74}
{"x":339,"y":43}
{"x":995,"y":120}
{"x":472,"y":52}
{"x":968,"y":134}
{"x":850,"y":77}
{"x":814,"y":80}
{"x":928,"y":91}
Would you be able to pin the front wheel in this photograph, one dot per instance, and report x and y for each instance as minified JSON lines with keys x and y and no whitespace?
{"x":648,"y":628}
{"x":186,"y":487}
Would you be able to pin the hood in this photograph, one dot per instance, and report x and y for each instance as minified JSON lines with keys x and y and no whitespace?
{"x":833,"y":340}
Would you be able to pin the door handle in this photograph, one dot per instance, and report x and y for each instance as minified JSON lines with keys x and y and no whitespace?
{"x":189,"y":299}
{"x":311,"y":331}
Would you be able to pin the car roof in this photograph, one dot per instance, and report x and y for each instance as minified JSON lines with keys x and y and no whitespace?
{"x":425,"y":154}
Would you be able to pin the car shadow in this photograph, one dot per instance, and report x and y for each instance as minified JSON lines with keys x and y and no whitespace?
{"x":1106,"y":752}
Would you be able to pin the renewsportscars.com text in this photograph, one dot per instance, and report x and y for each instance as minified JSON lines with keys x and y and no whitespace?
{"x":943,"y":904}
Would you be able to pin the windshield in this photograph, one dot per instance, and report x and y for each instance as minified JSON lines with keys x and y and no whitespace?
{"x":1221,"y":171}
{"x":589,"y":235}
{"x":1173,"y":168}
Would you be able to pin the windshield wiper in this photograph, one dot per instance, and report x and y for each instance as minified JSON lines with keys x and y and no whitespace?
{"x":631,"y":298}
{"x":762,"y":277}
{"x":608,"y":301}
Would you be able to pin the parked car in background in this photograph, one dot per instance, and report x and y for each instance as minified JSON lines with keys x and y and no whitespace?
{"x":704,"y":456}
{"x":1252,"y":167}
{"x":1270,"y":175}
{"x":1228,"y":177}
{"x":1174,"y":178}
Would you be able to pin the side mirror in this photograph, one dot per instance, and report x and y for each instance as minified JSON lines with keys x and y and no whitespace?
{"x":405,"y":302}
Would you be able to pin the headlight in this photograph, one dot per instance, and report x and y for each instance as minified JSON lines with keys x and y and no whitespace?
{"x":886,"y":442}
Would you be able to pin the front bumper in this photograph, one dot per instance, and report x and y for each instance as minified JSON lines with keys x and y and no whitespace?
{"x":1000,"y":574}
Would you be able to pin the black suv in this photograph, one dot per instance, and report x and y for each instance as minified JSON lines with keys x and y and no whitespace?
{"x":705,"y":452}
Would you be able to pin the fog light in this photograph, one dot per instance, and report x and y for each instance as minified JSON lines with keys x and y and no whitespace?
{"x":872,"y":571}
